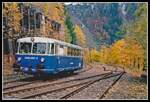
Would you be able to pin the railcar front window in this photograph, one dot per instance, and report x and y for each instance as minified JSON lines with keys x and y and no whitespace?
{"x":25,"y":48}
{"x":39,"y":48}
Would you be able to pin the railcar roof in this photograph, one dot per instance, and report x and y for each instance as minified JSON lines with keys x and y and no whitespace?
{"x":47,"y":40}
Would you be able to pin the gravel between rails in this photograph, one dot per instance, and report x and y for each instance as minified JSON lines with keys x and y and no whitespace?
{"x":51,"y":88}
{"x":129,"y":87}
{"x":61,"y":93}
{"x":95,"y":90}
{"x":57,"y":87}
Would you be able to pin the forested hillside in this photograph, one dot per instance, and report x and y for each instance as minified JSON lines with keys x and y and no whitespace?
{"x":104,"y":20}
{"x":119,"y":32}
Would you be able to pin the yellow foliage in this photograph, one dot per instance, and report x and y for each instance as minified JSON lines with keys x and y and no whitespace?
{"x":86,"y":56}
{"x":11,"y":11}
{"x":94,"y":55}
{"x":53,"y":11}
{"x":104,"y":55}
{"x":80,"y":35}
{"x":126,"y":53}
{"x":116,"y":52}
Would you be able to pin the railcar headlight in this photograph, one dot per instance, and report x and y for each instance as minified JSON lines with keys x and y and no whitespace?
{"x":42,"y":59}
{"x":34,"y":70}
{"x":19,"y":59}
{"x":25,"y":69}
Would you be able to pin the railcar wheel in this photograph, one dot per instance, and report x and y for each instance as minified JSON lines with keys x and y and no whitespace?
{"x":37,"y":75}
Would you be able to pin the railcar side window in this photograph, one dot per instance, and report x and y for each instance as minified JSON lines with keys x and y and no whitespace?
{"x":73,"y":52}
{"x":52,"y":48}
{"x":56,"y":48}
{"x":65,"y":51}
{"x":25,"y":48}
{"x":79,"y":52}
{"x":61,"y":46}
{"x":61,"y":50}
{"x":39,"y":48}
{"x":68,"y":51}
{"x":76,"y":52}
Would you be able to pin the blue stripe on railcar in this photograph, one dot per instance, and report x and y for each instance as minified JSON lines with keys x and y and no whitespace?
{"x":52,"y":64}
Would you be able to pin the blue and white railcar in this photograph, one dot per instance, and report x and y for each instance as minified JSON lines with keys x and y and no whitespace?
{"x":39,"y":55}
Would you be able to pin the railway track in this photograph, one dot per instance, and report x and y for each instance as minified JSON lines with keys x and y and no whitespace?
{"x":45,"y":85}
{"x":88,"y":84}
{"x":78,"y":86}
{"x":97,"y":94}
{"x":48,"y":88}
{"x":107,"y":90}
{"x":24,"y":90}
{"x":22,"y":82}
{"x":16,"y":77}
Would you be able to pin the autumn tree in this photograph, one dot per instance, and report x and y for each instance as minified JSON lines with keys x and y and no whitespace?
{"x":46,"y":27}
{"x":11,"y":30}
{"x":86,"y":56}
{"x":94,"y":55}
{"x":126,"y":53}
{"x":104,"y":54}
{"x":80,"y":36}
{"x":137,"y":30}
{"x":12,"y":19}
{"x":54,"y":13}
